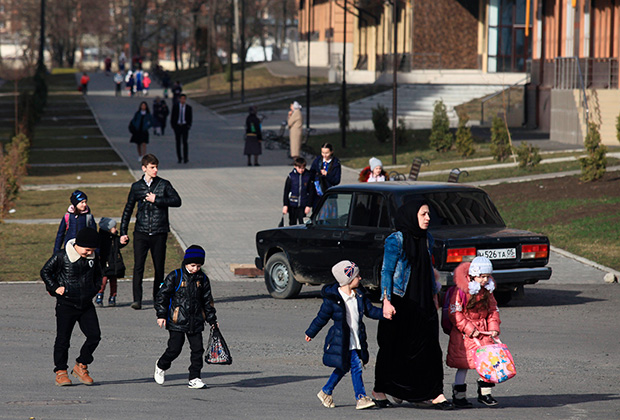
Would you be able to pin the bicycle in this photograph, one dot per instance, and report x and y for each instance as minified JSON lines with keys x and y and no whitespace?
{"x":273,"y":140}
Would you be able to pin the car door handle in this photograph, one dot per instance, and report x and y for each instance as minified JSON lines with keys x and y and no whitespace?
{"x":337,"y":234}
{"x":379,"y":237}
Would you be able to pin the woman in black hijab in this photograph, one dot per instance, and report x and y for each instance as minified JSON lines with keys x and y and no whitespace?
{"x":409,"y":363}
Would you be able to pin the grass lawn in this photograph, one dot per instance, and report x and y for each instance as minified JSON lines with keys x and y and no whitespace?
{"x":581,"y":218}
{"x":107,"y":202}
{"x":70,"y":174}
{"x":26,"y":248}
{"x":81,"y":156}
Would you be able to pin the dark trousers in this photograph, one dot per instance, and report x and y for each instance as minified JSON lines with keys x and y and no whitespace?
{"x":296,"y":215}
{"x":181,"y":133}
{"x":113,"y":284}
{"x":175,"y":345}
{"x":66,"y":317}
{"x":142,"y":242}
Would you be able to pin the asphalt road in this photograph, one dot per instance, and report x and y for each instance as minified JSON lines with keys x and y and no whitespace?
{"x":564,"y":340}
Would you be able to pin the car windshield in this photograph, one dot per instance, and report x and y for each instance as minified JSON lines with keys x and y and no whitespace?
{"x":457,"y":208}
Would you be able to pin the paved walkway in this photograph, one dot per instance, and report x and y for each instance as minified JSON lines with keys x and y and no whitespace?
{"x":225,"y":202}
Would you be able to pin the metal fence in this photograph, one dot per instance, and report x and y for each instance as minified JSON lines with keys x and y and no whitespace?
{"x":585,"y":73}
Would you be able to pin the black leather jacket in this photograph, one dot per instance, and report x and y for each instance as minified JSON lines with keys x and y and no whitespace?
{"x":81,"y":279}
{"x":184,"y":300}
{"x":151,"y":218}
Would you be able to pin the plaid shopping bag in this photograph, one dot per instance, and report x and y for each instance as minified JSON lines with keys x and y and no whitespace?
{"x":217,"y":350}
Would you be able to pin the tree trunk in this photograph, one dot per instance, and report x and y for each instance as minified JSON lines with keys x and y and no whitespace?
{"x":175,"y":46}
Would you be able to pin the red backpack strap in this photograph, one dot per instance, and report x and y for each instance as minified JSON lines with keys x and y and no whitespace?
{"x":67,"y":221}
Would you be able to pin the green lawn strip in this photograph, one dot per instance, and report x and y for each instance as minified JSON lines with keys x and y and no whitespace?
{"x":26,"y":248}
{"x":570,"y":225}
{"x":484,"y":175}
{"x":79,"y":156}
{"x":107,"y":202}
{"x":70,"y":174}
{"x":60,"y":143}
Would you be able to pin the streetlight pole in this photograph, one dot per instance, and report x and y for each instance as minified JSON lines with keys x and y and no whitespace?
{"x":41,"y":63}
{"x":394,"y":79}
{"x":343,"y":107}
{"x":130,"y":34}
{"x":230,"y":47}
{"x":308,"y":69}
{"x":243,"y":51}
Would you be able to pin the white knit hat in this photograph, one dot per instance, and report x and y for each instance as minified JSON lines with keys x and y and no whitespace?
{"x":479,"y":266}
{"x":345,"y":271}
{"x":374,"y":162}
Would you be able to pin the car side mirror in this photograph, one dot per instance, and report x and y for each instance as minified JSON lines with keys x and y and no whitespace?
{"x":308,"y":222}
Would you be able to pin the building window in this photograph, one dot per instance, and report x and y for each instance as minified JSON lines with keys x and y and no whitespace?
{"x":508,"y":48}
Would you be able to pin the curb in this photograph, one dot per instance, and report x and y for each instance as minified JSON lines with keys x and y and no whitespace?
{"x":585,"y":261}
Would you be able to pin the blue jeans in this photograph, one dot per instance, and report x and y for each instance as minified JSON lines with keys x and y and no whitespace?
{"x":356,"y":377}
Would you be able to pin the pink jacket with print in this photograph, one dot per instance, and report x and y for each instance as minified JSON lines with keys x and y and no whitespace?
{"x":465,"y":322}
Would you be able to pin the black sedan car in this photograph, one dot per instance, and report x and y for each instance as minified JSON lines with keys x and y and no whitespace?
{"x":352,"y":222}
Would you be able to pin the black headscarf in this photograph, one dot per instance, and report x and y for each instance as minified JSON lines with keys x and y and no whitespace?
{"x":419,"y":287}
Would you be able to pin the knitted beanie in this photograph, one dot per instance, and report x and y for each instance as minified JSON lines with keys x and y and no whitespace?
{"x":107,"y":223}
{"x":195,"y":254}
{"x":77,"y":196}
{"x":374,"y":162}
{"x":87,"y":238}
{"x":345,"y":271}
{"x":479,"y":266}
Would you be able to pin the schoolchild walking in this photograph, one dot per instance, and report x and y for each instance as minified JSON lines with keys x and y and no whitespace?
{"x":346,"y":347}
{"x":474,"y":315}
{"x":183,"y":304}
{"x":73,"y":277}
{"x":77,"y":217}
{"x":298,"y":193}
{"x":112,"y":264}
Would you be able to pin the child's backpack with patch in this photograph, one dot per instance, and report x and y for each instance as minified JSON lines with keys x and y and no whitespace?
{"x":446,"y":323}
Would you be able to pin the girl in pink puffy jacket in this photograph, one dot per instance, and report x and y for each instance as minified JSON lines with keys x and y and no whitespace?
{"x":474,"y":315}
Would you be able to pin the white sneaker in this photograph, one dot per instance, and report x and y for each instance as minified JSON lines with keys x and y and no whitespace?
{"x":159,"y":375}
{"x":196,"y":383}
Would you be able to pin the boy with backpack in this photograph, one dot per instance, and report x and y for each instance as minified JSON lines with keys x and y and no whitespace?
{"x":183,"y":304}
{"x":77,"y":217}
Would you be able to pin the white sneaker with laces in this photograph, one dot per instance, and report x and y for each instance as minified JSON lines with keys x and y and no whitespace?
{"x":159,"y":375}
{"x":196,"y":383}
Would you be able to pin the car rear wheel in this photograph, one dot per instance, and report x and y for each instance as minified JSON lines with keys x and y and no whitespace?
{"x":279,"y":278}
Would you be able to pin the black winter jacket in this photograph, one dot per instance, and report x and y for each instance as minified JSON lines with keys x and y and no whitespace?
{"x":184,"y":300}
{"x":336,"y":348}
{"x":151,"y":218}
{"x":81,"y":277}
{"x":110,"y":245}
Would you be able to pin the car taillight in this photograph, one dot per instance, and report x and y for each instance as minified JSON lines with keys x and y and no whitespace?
{"x":457,"y":255}
{"x":534,"y":251}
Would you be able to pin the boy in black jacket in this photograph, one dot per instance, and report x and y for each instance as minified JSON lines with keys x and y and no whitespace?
{"x":183,"y":304}
{"x":298,"y":193}
{"x":73,"y":276}
{"x":111,"y":259}
{"x":345,"y":346}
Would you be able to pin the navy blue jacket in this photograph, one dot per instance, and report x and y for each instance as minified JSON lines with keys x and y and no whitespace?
{"x":298,"y":190}
{"x":334,"y":171}
{"x":76,"y":222}
{"x":336,"y":348}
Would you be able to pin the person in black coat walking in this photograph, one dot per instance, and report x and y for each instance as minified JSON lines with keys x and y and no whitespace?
{"x":112,"y":264}
{"x":181,"y":122}
{"x":154,"y":196}
{"x":183,"y":304}
{"x":139,"y":127}
{"x":345,"y":347}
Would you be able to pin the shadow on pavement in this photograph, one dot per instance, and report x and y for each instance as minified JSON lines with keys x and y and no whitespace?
{"x":550,"y":401}
{"x":551,"y":297}
{"x":268,"y":381}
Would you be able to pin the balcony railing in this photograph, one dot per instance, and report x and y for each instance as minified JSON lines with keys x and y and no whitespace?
{"x":596,"y":73}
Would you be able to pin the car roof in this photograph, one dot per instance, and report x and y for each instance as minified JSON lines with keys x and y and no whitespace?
{"x":403,"y":187}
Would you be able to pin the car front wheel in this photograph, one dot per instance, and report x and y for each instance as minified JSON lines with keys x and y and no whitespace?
{"x":279,"y":279}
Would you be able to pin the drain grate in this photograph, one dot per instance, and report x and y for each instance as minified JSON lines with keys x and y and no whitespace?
{"x":47,"y":402}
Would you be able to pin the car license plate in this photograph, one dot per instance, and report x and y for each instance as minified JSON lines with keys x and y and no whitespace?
{"x":498,"y":254}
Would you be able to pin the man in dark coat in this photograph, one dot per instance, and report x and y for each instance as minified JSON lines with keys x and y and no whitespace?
{"x":181,"y":122}
{"x":154,"y":195}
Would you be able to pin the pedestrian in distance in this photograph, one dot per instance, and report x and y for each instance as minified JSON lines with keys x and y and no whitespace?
{"x":181,"y":122}
{"x":153,"y":195}
{"x":409,"y":362}
{"x":122,"y":60}
{"x":73,"y":277}
{"x":139,"y":74}
{"x":474,"y":316}
{"x":84,"y":83}
{"x":157,"y":116}
{"x":325,"y":171}
{"x":177,"y":89}
{"x":295,"y":122}
{"x":112,"y":265}
{"x":118,"y":84}
{"x":146,"y":84}
{"x":346,"y":347}
{"x":77,"y":217}
{"x":130,"y":82}
{"x":139,"y":127}
{"x":107,"y":65}
{"x":183,"y":304}
{"x":165,"y":83}
{"x":298,"y":193}
{"x":253,"y":136}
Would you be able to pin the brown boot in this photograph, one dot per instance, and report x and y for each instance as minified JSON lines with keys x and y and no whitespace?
{"x":62,"y":378}
{"x":80,"y":371}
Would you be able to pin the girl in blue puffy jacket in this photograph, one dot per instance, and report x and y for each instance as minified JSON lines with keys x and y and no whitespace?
{"x":77,"y":217}
{"x":345,"y":347}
